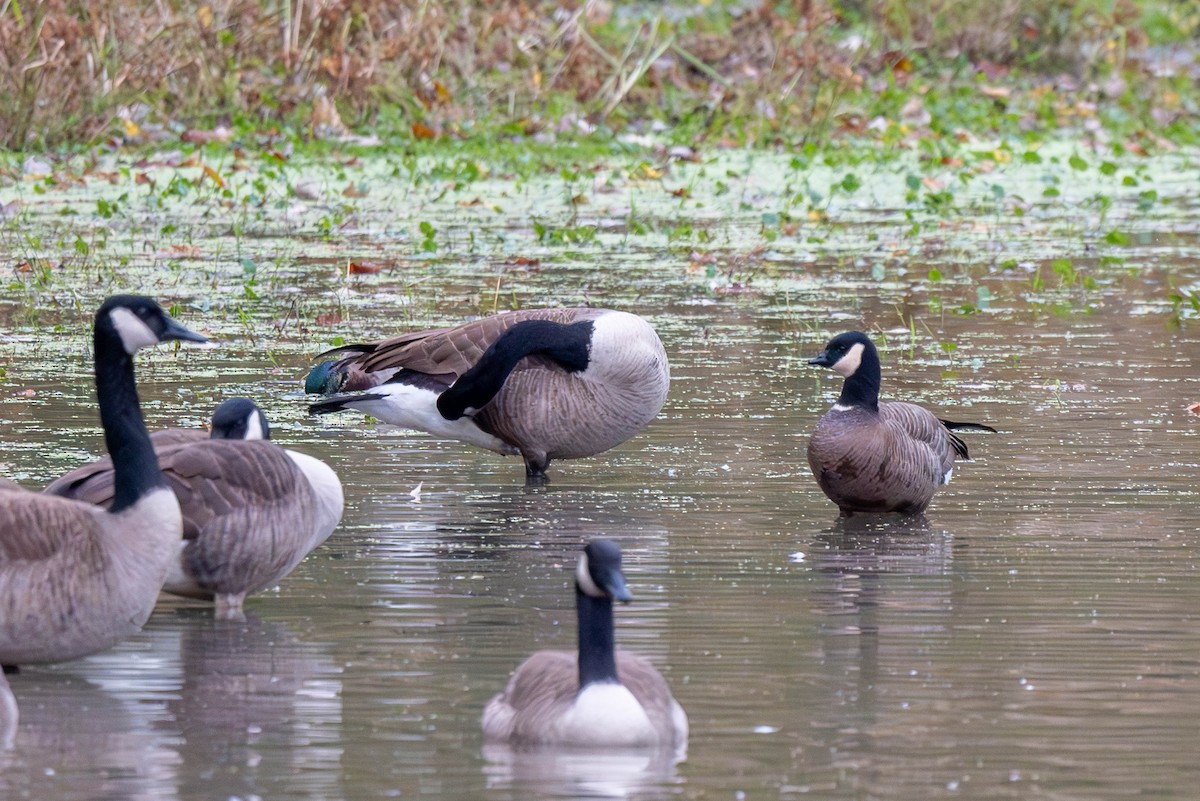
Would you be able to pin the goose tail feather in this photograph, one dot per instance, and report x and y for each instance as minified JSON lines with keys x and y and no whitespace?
{"x":953,"y":426}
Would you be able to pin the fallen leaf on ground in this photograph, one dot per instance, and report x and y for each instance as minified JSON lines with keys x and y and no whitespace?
{"x":217,"y":179}
{"x":199,"y":137}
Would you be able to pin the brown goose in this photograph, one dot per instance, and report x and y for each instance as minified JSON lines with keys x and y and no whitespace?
{"x":75,"y":578}
{"x":546,"y":383}
{"x":251,"y":509}
{"x":594,"y":697}
{"x":878,"y":456}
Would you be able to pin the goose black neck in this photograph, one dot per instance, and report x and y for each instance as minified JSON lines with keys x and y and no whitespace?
{"x":597,"y":654}
{"x":565,"y":343}
{"x":135,"y":465}
{"x":861,"y":388}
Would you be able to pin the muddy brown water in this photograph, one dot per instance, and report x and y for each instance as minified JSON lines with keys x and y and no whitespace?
{"x":1035,"y":636}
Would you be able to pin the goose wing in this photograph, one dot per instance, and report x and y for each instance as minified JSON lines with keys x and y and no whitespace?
{"x":177,"y":436}
{"x":93,"y":482}
{"x":654,"y":694}
{"x":923,"y":439}
{"x":210,"y":478}
{"x":37,"y":529}
{"x":450,"y":352}
{"x":214,"y":478}
{"x":534,"y":699}
{"x":248,"y":512}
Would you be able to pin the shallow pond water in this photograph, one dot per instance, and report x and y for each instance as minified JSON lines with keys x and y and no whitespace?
{"x":1035,"y":636}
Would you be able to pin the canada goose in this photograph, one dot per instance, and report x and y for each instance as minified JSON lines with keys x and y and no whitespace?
{"x":251,"y":509}
{"x":74,"y":578}
{"x":873,"y":456}
{"x":597,"y":696}
{"x":545,"y":383}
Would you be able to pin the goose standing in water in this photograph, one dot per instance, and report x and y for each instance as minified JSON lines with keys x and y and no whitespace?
{"x":878,"y":456}
{"x":76,"y":578}
{"x":546,"y":384}
{"x":596,"y":696}
{"x":251,"y":509}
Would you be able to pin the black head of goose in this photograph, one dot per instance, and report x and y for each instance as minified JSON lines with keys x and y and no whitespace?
{"x":596,"y":696}
{"x":878,"y":456}
{"x":75,"y":578}
{"x":251,"y":509}
{"x":546,"y":384}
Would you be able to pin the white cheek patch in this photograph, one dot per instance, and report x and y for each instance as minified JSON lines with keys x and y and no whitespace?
{"x":254,"y":429}
{"x":848,"y":364}
{"x":134,"y":333}
{"x":583,"y":578}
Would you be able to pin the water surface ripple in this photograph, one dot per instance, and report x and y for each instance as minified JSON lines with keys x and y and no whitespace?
{"x":1035,"y":636}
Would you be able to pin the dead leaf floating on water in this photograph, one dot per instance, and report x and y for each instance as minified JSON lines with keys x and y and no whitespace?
{"x":1194,"y":409}
{"x":177,"y":252}
{"x":422,"y":131}
{"x":307,"y":189}
{"x":199,"y":137}
{"x":215,"y":176}
{"x":363,"y":268}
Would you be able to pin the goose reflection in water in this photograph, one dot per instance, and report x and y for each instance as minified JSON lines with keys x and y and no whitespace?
{"x":191,"y":707}
{"x":260,"y":710}
{"x":78,"y":739}
{"x":582,"y":773}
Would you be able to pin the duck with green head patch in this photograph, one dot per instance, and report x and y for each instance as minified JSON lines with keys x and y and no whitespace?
{"x":542,"y":383}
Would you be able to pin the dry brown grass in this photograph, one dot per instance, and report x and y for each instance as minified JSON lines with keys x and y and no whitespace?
{"x":67,"y":68}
